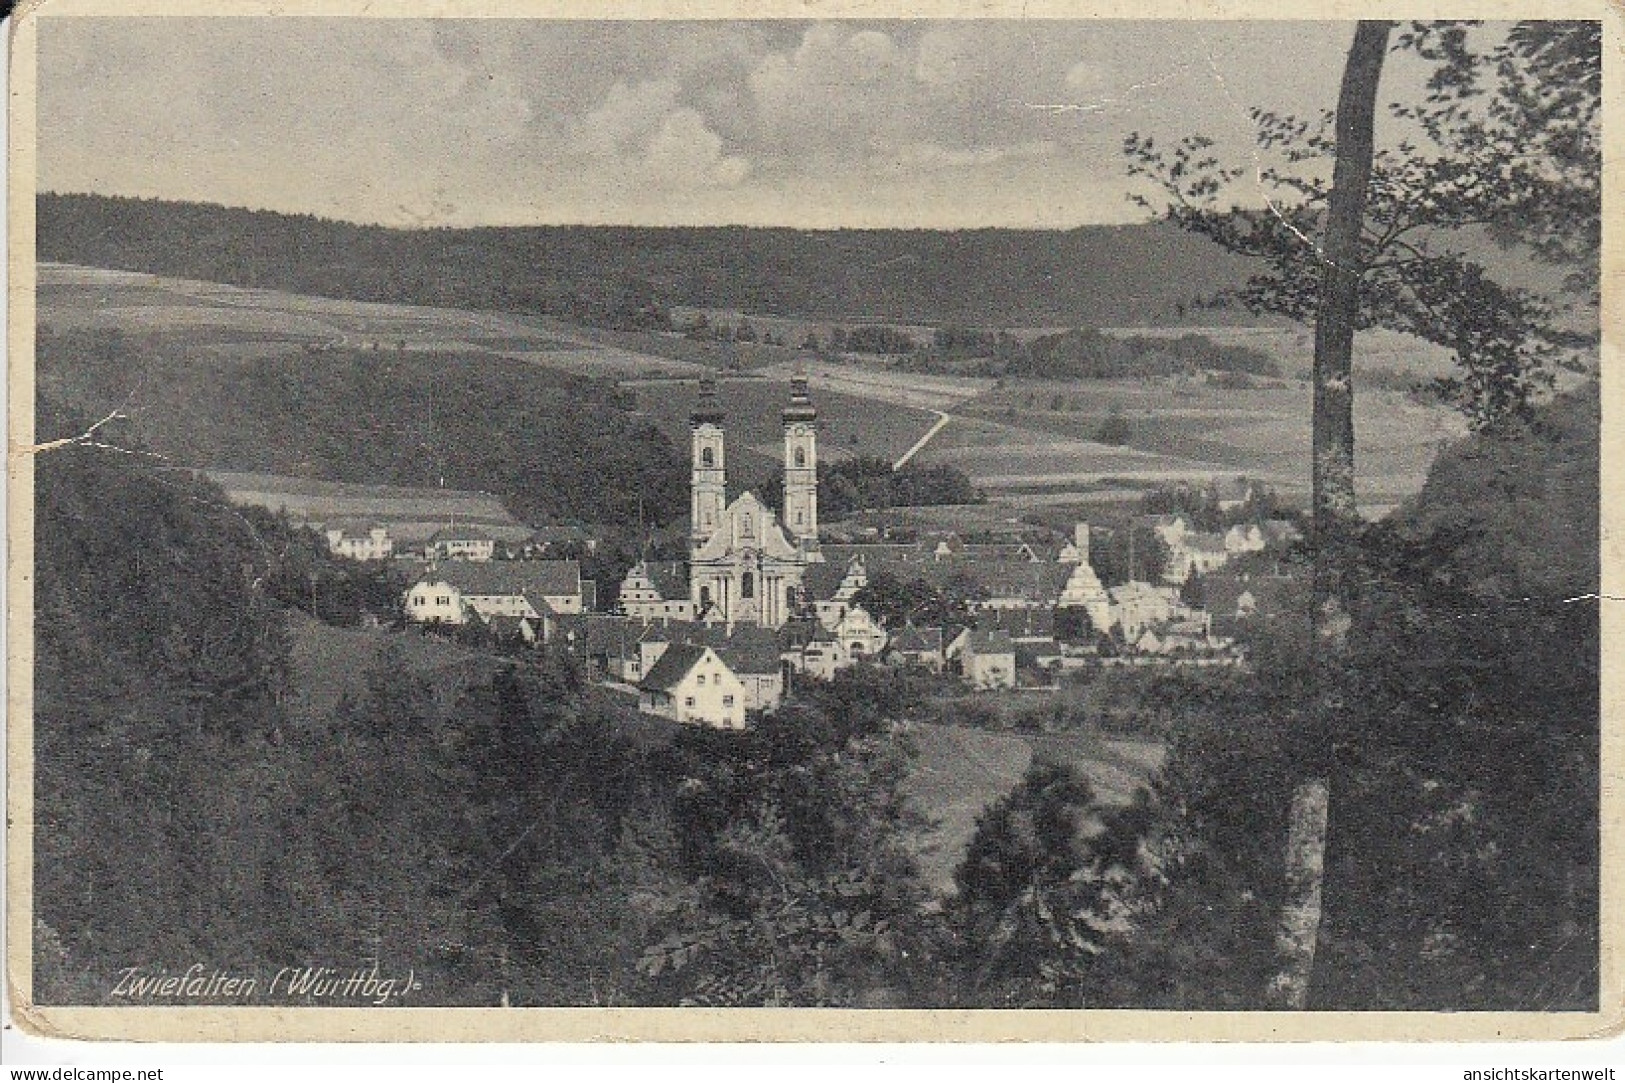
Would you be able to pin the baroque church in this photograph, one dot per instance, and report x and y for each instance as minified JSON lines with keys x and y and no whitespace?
{"x":745,"y":567}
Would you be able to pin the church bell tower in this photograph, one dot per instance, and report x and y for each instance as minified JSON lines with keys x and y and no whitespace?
{"x":801,"y":466}
{"x":708,"y":487}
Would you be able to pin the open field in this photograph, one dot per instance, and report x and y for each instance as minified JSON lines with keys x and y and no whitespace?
{"x":215,"y":317}
{"x":1031,"y":441}
{"x":1026,"y":443}
{"x":881,"y":384}
{"x":958,"y":771}
{"x":412,"y":514}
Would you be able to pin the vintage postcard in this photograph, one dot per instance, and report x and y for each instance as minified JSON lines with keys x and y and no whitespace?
{"x":1070,"y":521}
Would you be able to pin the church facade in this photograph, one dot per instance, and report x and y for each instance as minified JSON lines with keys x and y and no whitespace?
{"x":745,"y":566}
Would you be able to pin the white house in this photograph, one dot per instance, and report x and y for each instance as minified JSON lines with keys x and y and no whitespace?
{"x":460,"y":543}
{"x":360,"y":541}
{"x":988,"y":659}
{"x":1137,"y":606}
{"x":750,"y":652}
{"x":692,"y":684}
{"x":1244,"y":538}
{"x":860,"y":635}
{"x":656,"y":590}
{"x":446,"y":592}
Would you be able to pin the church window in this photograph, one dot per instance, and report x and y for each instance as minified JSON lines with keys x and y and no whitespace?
{"x":705,"y":595}
{"x":800,"y":518}
{"x":747,"y":527}
{"x":801,"y":456}
{"x":747,"y":586}
{"x":708,"y":457}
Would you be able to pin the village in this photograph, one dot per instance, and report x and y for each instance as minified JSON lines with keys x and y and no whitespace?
{"x":765,"y":602}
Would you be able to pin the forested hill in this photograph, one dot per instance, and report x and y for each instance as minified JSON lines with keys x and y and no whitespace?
{"x":1102,"y":276}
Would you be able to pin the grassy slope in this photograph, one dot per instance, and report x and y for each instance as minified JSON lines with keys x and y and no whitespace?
{"x":958,"y":771}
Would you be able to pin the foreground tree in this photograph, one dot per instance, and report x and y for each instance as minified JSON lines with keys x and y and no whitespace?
{"x":1391,"y":255}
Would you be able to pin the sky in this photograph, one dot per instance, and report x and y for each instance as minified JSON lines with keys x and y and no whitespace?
{"x":912,"y":124}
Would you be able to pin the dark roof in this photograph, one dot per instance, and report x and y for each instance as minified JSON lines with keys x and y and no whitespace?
{"x":1020,"y":623}
{"x":504,"y":626}
{"x":914,"y":640}
{"x":750,"y":649}
{"x":797,"y":632}
{"x":538,"y":601}
{"x":998,"y":551}
{"x":600,"y":633}
{"x":672,"y":667}
{"x":498,"y":577}
{"x":883,"y":551}
{"x":1035,"y":653}
{"x":1034,"y":582}
{"x":821,"y":581}
{"x":985,"y":642}
{"x":670,"y":578}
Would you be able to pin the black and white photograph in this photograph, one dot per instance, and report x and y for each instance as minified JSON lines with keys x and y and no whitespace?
{"x":930,"y":517}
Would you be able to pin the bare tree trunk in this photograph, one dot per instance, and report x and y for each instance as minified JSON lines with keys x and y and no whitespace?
{"x":1333,"y":500}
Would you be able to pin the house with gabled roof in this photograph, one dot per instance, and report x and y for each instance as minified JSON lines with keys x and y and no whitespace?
{"x":460,"y":543}
{"x":657,"y":590}
{"x":359,"y":540}
{"x":606,"y":643}
{"x":921,"y":647}
{"x":988,"y":659}
{"x":751,"y":652}
{"x":447,"y":591}
{"x":693,"y":685}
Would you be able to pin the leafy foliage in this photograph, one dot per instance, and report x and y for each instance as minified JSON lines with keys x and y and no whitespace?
{"x":895,"y":601}
{"x":867,"y":483}
{"x":1523,"y":162}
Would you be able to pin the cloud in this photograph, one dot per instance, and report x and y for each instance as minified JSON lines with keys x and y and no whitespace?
{"x":685,"y":153}
{"x":464,"y":121}
{"x":627,"y":117}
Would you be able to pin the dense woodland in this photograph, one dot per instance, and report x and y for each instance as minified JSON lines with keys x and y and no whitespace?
{"x":625,"y":277}
{"x":551,"y":444}
{"x":1081,"y":353}
{"x":533,"y":840}
{"x":866,"y":483}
